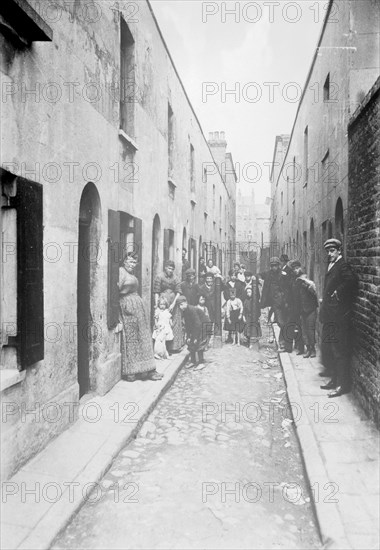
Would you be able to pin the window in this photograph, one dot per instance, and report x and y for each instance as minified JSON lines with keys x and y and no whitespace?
{"x":306,"y":155}
{"x":213,"y":199}
{"x":22,"y":313}
{"x":326,"y":89}
{"x":127,"y":79}
{"x":168,"y":244}
{"x":294,"y":178}
{"x":25,"y":24}
{"x":192,"y":169}
{"x":170,"y":141}
{"x":282,"y":198}
{"x":171,"y":189}
{"x":205,"y":188}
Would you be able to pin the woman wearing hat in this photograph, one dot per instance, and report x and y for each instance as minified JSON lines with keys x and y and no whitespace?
{"x":137,"y":357}
{"x":168,"y":286}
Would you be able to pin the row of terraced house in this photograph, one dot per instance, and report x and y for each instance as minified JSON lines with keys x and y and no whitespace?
{"x":325,"y":173}
{"x":101,"y":152}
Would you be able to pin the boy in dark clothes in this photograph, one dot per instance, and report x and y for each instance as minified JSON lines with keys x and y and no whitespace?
{"x":196,"y":335}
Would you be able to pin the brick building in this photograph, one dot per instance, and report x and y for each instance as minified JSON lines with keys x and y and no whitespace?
{"x":363,"y":246}
{"x":310,"y":180}
{"x":101,"y":152}
{"x":325,"y":183}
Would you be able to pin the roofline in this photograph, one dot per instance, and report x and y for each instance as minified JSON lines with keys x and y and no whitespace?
{"x":183,"y":88}
{"x":308,"y":79}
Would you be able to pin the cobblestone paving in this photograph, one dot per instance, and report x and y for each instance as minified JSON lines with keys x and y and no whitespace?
{"x":198,"y":476}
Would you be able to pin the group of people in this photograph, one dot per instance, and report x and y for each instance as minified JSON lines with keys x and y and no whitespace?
{"x":185,"y":311}
{"x":292,"y":299}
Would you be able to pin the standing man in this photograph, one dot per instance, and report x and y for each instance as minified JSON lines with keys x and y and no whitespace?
{"x":335,"y":316}
{"x":276,"y":296}
{"x":185,"y":263}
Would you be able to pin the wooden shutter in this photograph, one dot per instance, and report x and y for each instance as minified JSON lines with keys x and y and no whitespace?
{"x":30,"y":296}
{"x":113,"y":268}
{"x":166,"y":244}
{"x":138,"y":249}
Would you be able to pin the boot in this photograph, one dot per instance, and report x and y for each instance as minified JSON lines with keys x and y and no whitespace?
{"x":313,"y":353}
{"x":308,"y":353}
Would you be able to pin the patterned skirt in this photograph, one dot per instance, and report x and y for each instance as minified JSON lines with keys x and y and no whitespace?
{"x":136,"y":343}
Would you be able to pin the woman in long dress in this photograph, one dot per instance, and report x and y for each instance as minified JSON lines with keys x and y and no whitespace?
{"x":168,"y":286}
{"x":137,"y":357}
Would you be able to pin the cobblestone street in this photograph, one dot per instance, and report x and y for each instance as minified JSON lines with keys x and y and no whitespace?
{"x":207,"y":470}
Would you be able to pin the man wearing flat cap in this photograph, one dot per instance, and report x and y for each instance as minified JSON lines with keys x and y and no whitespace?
{"x":189,"y":287}
{"x":276,"y":295}
{"x":335,"y":315}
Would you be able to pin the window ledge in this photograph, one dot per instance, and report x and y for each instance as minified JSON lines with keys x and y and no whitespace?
{"x":128,"y":139}
{"x":10,"y":377}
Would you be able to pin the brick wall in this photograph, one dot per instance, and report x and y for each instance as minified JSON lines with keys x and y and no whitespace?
{"x":363,"y":247}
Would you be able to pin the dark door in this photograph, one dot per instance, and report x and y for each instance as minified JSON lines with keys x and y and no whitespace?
{"x":83,"y":307}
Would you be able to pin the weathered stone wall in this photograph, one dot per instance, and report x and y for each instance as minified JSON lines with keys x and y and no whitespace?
{"x":60,"y":128}
{"x":363,"y":247}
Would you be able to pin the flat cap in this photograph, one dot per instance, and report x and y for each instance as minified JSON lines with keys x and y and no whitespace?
{"x":332,"y":243}
{"x":181,"y":299}
{"x":294,"y":263}
{"x":274,"y":260}
{"x":190,"y":271}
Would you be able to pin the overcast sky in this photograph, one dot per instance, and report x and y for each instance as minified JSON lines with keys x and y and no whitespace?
{"x":263,"y":42}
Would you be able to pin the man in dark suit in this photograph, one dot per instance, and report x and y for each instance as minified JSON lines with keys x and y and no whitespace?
{"x":335,"y":316}
{"x":276,"y":295}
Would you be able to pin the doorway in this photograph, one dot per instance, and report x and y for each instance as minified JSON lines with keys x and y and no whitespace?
{"x":88,"y":252}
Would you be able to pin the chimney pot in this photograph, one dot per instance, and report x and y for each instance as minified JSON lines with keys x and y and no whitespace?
{"x":222,"y":136}
{"x":216,"y":136}
{"x":210,"y":136}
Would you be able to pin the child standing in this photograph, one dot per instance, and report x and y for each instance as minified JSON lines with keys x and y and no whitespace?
{"x":196,"y":340}
{"x":162,"y":329}
{"x":251,"y":316}
{"x":206,"y":322}
{"x":234,"y":317}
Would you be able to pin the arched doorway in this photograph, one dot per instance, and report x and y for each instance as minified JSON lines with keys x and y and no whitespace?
{"x":312,"y":249}
{"x":155,"y":262}
{"x":339,"y":224}
{"x":88,"y":253}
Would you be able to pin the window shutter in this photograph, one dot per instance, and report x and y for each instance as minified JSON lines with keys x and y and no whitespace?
{"x":30,"y":292}
{"x":113,"y":268}
{"x":138,"y":248}
{"x":166,"y":245}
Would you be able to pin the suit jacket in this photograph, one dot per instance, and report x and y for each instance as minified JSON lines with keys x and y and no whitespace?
{"x":275,"y":290}
{"x":343,"y":280}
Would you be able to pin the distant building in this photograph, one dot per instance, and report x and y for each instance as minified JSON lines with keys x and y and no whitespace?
{"x":252,"y":226}
{"x":101,"y":153}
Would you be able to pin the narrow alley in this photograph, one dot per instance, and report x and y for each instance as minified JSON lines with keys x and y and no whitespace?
{"x":215,"y":463}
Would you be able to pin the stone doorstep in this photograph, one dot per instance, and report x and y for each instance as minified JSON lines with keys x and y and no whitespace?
{"x":48,"y":519}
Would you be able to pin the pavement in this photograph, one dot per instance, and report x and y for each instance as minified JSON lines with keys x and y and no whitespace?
{"x":340,"y":448}
{"x":41,"y":498}
{"x":216,"y":465}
